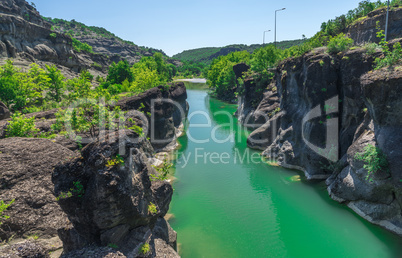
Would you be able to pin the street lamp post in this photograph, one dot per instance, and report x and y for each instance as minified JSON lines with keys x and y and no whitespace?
{"x":263,"y":39}
{"x":386,"y":24}
{"x":275,"y":22}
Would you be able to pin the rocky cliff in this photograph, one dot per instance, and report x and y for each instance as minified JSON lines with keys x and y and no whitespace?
{"x":27,"y":38}
{"x":113,"y":207}
{"x":364,"y":29}
{"x":320,"y":113}
{"x":103,"y":41}
{"x":119,"y":209}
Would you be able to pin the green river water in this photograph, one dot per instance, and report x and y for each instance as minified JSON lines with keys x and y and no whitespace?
{"x":251,"y":209}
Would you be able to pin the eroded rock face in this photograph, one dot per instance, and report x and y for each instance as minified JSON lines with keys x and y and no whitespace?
{"x":25,"y":175}
{"x":168,"y":109}
{"x":255,"y":104}
{"x":27,"y":38}
{"x":4,"y":112}
{"x":313,"y":91}
{"x":379,"y":199}
{"x":113,"y":207}
{"x":365,"y":30}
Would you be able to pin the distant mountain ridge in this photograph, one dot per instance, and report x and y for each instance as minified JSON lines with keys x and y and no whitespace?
{"x":207,"y":54}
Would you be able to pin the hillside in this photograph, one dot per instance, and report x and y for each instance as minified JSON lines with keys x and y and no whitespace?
{"x":206,"y":55}
{"x":102,"y":41}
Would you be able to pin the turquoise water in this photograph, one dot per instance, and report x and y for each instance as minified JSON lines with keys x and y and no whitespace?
{"x":251,"y":209}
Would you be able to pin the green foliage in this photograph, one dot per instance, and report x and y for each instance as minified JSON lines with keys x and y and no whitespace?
{"x":191,"y":69}
{"x":117,"y":160}
{"x":96,"y":65}
{"x":21,"y":126}
{"x":390,"y":57}
{"x":20,"y":89}
{"x":276,"y":111}
{"x":77,"y":190}
{"x":339,"y":24}
{"x":145,"y":248}
{"x":371,"y":48}
{"x":114,"y":246}
{"x":265,"y":58}
{"x":56,"y":84}
{"x":79,"y":46}
{"x":163,"y":171}
{"x":33,"y":237}
{"x":119,"y":72}
{"x":152,"y":209}
{"x":148,"y":73}
{"x":221,"y":77}
{"x":374,"y":160}
{"x":53,"y":35}
{"x":206,"y":55}
{"x":339,"y":43}
{"x":88,"y":117}
{"x":137,"y":129}
{"x":3,"y":208}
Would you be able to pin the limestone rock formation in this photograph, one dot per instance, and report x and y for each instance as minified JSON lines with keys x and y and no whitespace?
{"x":317,"y":81}
{"x":364,"y":30}
{"x":379,"y":200}
{"x":27,"y":38}
{"x":25,"y":175}
{"x":167,"y":107}
{"x":118,"y":203}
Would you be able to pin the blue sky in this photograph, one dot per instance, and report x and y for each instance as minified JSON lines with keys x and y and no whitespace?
{"x":178,"y":25}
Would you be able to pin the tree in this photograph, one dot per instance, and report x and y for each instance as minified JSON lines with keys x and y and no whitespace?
{"x":56,"y":84}
{"x":119,"y":72}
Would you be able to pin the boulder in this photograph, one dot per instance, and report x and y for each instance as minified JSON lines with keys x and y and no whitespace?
{"x":240,"y":69}
{"x":168,"y":108}
{"x":4,"y":112}
{"x":25,"y":175}
{"x":113,"y":206}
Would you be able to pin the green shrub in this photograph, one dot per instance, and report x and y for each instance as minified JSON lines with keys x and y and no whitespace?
{"x":119,"y":72}
{"x":76,"y":190}
{"x":390,"y":57}
{"x":21,"y":126}
{"x":117,"y":160}
{"x":53,"y":35}
{"x":163,"y":171}
{"x":79,"y":46}
{"x":145,"y":248}
{"x":339,"y":43}
{"x":152,"y":209}
{"x":371,"y":48}
{"x":114,"y":246}
{"x":374,"y":160}
{"x":96,"y":65}
{"x":3,"y":208}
